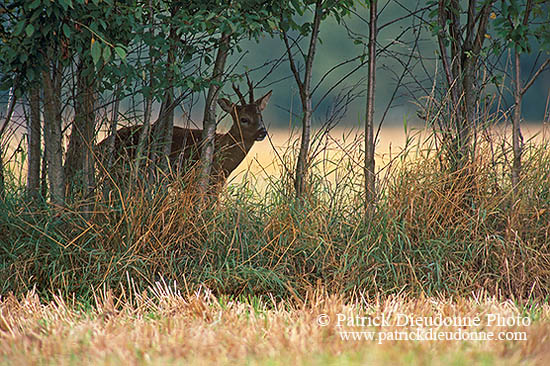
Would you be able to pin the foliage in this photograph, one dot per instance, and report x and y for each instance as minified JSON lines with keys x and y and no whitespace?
{"x":33,"y":29}
{"x":113,"y":34}
{"x":512,"y":31}
{"x":294,"y":11}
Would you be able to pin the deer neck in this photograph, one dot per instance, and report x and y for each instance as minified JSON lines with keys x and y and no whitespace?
{"x":233,"y":148}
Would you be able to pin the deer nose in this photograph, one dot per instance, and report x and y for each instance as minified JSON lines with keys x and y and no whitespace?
{"x":262,"y":133}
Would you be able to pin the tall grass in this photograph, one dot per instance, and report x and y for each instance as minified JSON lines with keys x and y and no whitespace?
{"x":432,"y":232}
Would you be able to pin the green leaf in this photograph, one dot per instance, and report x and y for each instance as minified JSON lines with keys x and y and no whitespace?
{"x":107,"y":54}
{"x":297,"y":6}
{"x":35,"y":4}
{"x":66,"y":30}
{"x":29,"y":30}
{"x":96,"y":52}
{"x":64,"y":4}
{"x":121,"y":52}
{"x":30,"y":74}
{"x":272,"y":24}
{"x":19,"y":28}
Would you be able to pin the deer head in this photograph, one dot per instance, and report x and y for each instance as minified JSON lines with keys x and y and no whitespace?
{"x":248,"y":125}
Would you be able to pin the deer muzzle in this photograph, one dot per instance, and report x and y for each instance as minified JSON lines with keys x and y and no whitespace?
{"x":261,"y":134}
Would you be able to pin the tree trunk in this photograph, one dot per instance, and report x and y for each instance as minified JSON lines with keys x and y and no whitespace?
{"x":209,"y":121}
{"x":112,"y":133}
{"x":44,"y":170}
{"x":163,"y":130}
{"x":107,"y":158}
{"x":53,"y":135}
{"x":11,"y":106}
{"x":369,"y":118}
{"x":460,"y":72}
{"x":79,"y":164}
{"x":144,"y":136}
{"x":517,"y":138}
{"x":34,"y":133}
{"x":302,"y":165}
{"x":466,"y":124}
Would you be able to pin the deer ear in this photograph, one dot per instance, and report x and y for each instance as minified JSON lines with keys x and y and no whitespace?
{"x":262,"y":102}
{"x":226,"y":105}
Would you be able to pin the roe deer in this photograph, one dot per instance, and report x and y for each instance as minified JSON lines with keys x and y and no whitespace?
{"x":230,"y":148}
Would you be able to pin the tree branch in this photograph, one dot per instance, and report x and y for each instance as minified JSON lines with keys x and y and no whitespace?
{"x":313,"y":43}
{"x":534,"y":77}
{"x":293,"y":67}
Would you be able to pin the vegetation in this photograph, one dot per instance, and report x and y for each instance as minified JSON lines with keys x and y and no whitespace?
{"x":432,"y":233}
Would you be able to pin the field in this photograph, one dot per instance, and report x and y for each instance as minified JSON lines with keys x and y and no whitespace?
{"x":167,"y":328}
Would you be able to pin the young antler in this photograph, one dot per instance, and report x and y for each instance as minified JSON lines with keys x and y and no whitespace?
{"x":250,"y":88}
{"x":241,"y":97}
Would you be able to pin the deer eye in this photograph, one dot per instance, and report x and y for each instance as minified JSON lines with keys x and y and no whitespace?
{"x":245,"y":120}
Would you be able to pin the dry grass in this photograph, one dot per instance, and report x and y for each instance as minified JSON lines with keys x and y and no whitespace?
{"x":164,"y":327}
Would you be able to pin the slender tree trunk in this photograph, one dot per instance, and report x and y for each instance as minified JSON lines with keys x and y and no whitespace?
{"x":167,"y":122}
{"x":466,"y":43}
{"x":44,"y":170}
{"x":303,"y":156}
{"x":209,"y":121}
{"x":112,"y":133}
{"x":53,"y":135}
{"x":144,"y":136}
{"x":34,"y":133}
{"x":517,"y":138}
{"x":110,"y":151}
{"x":369,"y":120}
{"x":11,"y":106}
{"x":465,"y":125}
{"x":163,"y":130}
{"x":302,"y":165}
{"x":161,"y":135}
